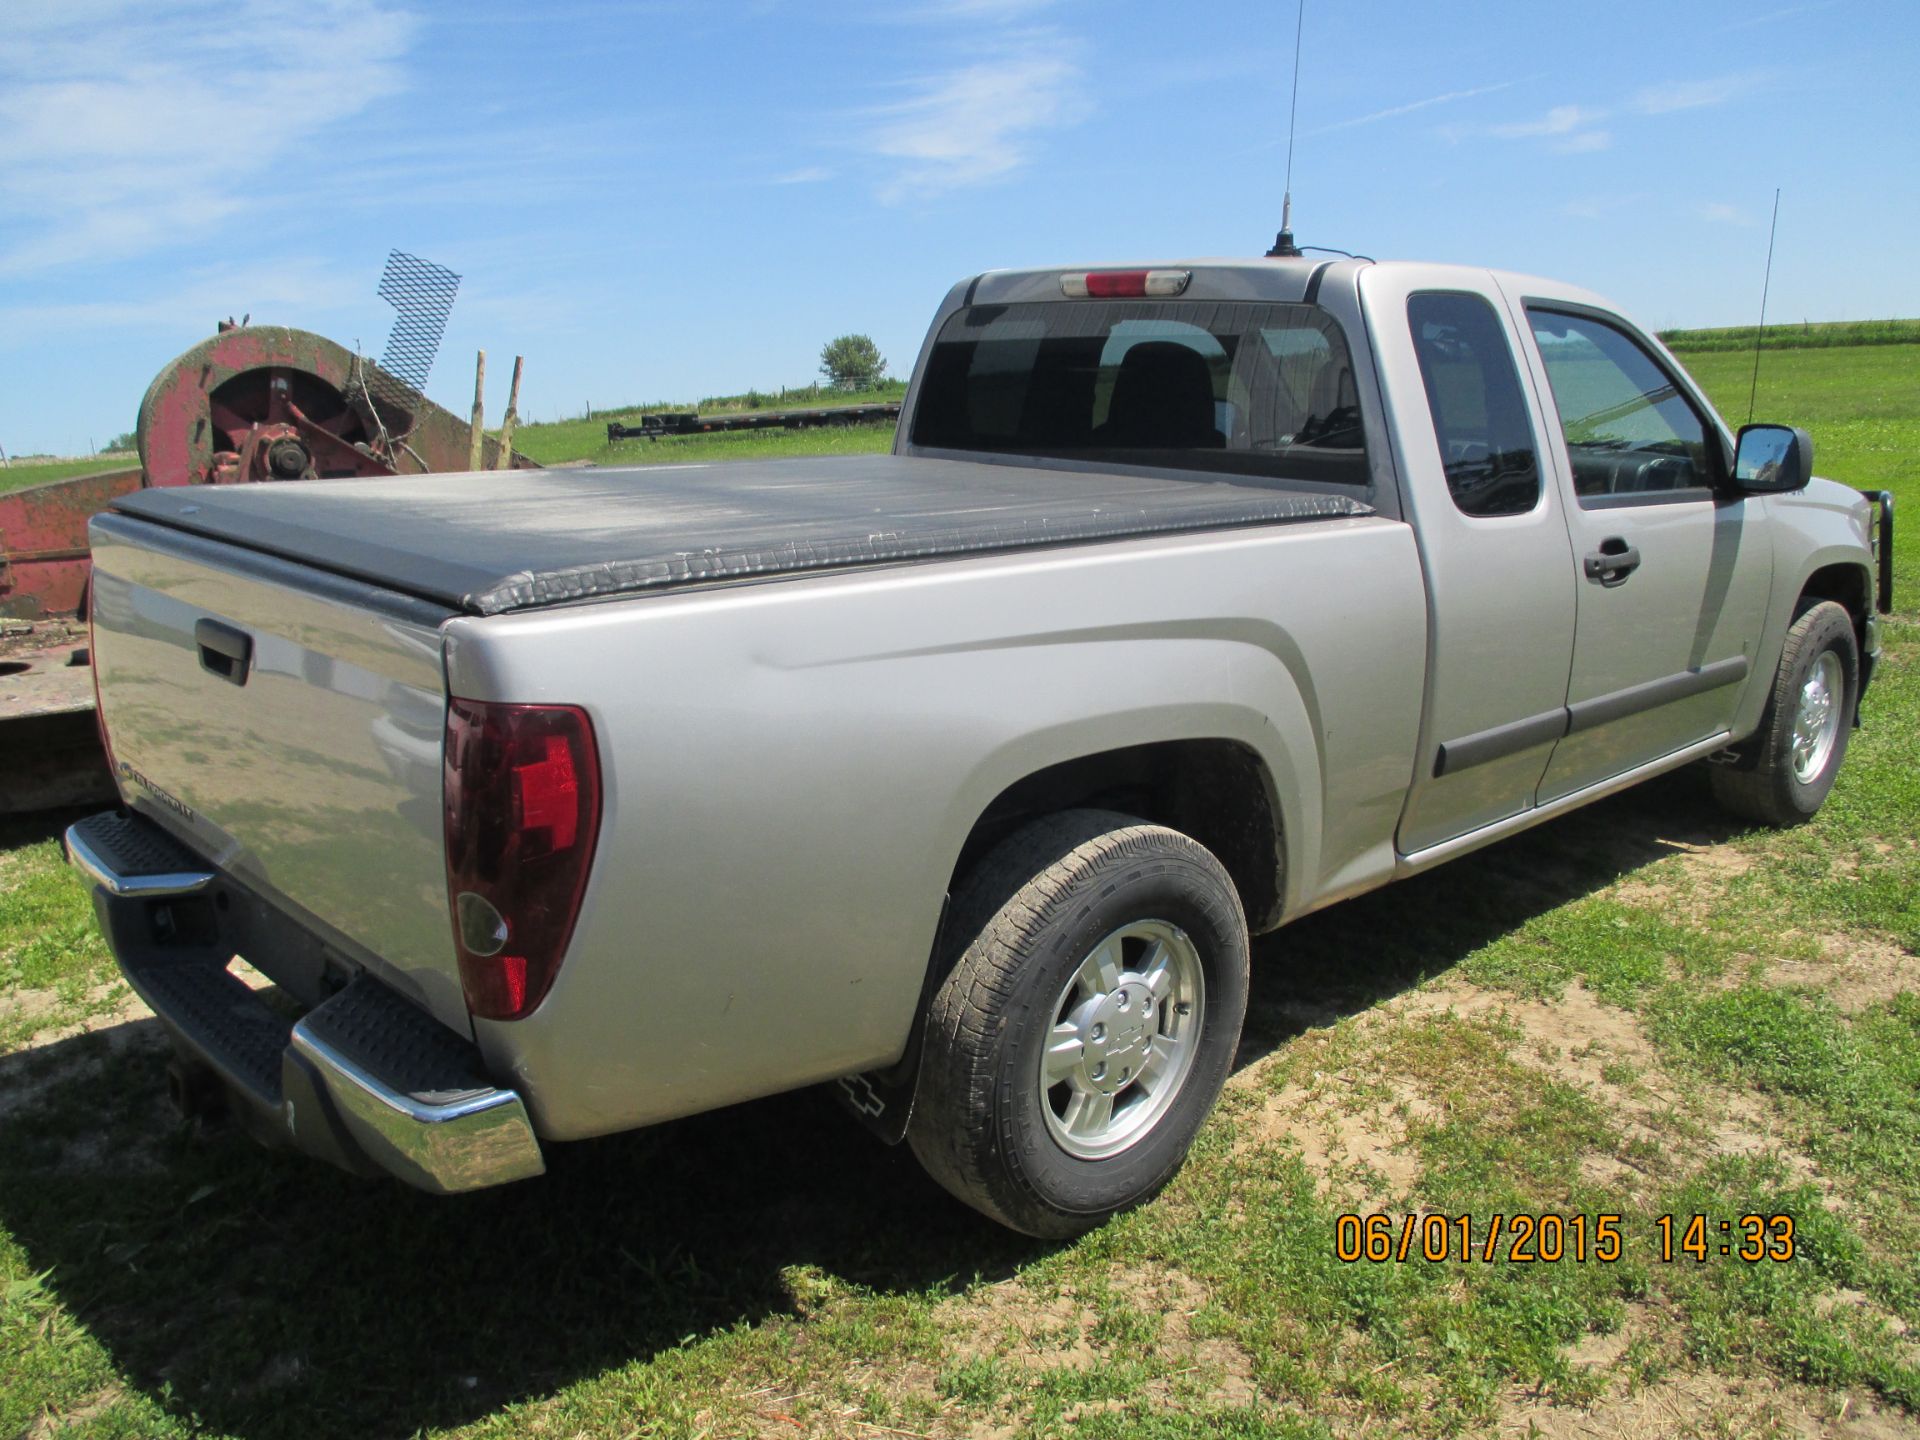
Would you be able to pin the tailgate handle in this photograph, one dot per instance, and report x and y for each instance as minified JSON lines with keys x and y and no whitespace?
{"x":224,"y":651}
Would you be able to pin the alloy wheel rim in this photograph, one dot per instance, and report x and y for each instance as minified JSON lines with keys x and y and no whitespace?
{"x":1125,"y":1029}
{"x":1817,"y":717}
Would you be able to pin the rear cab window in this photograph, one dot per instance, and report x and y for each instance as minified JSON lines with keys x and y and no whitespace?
{"x":1259,"y":390}
{"x":1479,"y":410}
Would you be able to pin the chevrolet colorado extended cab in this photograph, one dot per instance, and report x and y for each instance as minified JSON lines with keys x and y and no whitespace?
{"x":1192,"y":598}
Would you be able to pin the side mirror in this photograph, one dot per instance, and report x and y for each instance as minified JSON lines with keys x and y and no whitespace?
{"x":1772,"y":459}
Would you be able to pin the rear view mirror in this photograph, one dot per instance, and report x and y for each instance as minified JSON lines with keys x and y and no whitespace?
{"x":1772,"y":459}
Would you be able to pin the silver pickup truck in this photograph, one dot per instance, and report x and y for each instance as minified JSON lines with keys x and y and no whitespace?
{"x":1192,"y":598}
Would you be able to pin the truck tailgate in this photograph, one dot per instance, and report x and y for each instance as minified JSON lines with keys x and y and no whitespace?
{"x":287,"y":725}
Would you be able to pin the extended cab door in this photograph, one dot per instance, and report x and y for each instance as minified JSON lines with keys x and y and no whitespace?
{"x":1493,"y":543}
{"x":1672,"y":568}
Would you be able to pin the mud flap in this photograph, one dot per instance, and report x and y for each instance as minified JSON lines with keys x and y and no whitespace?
{"x":880,"y":1101}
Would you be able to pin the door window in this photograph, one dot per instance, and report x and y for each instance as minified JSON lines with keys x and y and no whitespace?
{"x":1479,"y":413}
{"x":1632,"y":437}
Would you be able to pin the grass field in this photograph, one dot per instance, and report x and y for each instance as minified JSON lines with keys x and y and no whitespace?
{"x":20,"y":475}
{"x":577,"y":440}
{"x":564,"y":441}
{"x":1804,"y":336}
{"x":1639,"y":1010}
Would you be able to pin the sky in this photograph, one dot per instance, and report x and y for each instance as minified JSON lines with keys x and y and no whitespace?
{"x":665,"y":199}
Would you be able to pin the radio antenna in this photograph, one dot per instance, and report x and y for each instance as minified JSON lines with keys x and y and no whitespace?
{"x":1761,"y":334}
{"x":1283,"y":246}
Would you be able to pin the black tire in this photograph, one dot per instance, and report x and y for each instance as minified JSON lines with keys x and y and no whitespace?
{"x":1024,"y":921}
{"x":1761,"y":785}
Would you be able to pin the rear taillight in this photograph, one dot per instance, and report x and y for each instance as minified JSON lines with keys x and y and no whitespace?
{"x":522,"y":803}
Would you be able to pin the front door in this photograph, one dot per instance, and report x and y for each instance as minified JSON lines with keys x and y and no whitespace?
{"x":1672,"y":569}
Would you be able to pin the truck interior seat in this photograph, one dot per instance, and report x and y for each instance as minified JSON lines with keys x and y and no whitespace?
{"x":1162,"y":399}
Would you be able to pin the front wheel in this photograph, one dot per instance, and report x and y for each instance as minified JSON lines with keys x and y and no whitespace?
{"x":1782,"y":775}
{"x":1088,"y":1024}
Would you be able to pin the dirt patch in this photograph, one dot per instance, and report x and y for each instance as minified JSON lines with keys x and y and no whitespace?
{"x":1035,"y":1333}
{"x":1853,"y":971}
{"x":1028,"y":1329}
{"x":1355,"y":1137}
{"x":1704,"y":1405}
{"x":1596,"y":1034}
{"x":50,"y":1061}
{"x":1687,"y":884}
{"x":1364,"y":1151}
{"x":49,"y":1017}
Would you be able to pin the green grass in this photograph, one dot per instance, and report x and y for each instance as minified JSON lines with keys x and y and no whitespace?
{"x":577,"y":440}
{"x":1588,"y":1019}
{"x":21,"y":474}
{"x":1803,"y":336}
{"x":561,"y":441}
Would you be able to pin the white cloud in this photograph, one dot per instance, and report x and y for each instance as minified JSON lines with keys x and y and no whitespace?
{"x":1721,"y":213}
{"x":1393,"y":110}
{"x":1575,"y":129}
{"x":1691,"y":94}
{"x":128,"y":126}
{"x":1560,"y":120}
{"x":195,"y":299}
{"x":805,"y":175}
{"x":1566,"y":129}
{"x":1584,"y":142}
{"x":976,"y":123}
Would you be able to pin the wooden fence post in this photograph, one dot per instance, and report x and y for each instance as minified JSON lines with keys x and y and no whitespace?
{"x":504,"y":461}
{"x":477,"y":434}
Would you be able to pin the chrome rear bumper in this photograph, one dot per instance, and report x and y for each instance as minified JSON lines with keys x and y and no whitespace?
{"x":364,"y":1079}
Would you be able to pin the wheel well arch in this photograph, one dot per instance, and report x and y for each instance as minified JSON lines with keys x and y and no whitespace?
{"x":1846,"y":583}
{"x":1216,"y":791}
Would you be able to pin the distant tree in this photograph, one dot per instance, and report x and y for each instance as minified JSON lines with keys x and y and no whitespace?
{"x":852,"y":362}
{"x":128,"y":441}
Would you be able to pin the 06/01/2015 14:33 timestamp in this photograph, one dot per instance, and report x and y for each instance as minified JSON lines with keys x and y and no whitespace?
{"x":1527,"y":1239}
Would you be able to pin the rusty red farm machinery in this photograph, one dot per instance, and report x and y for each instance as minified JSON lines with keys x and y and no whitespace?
{"x":252,"y":403}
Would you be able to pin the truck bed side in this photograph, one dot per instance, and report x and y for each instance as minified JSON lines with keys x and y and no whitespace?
{"x":792,"y":770}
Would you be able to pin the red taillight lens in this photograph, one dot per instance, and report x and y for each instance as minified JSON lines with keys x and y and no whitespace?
{"x":522,"y":801}
{"x":1124,"y":284}
{"x":1117,"y":283}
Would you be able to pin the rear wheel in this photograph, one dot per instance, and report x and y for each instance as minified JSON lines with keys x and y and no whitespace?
{"x":1087,"y":1025}
{"x":1783,"y":774}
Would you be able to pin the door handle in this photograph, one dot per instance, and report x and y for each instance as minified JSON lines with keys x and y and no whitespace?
{"x":1613,"y":562}
{"x":224,"y":651}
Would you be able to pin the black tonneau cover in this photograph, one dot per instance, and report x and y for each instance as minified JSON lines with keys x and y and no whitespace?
{"x":519,"y":539}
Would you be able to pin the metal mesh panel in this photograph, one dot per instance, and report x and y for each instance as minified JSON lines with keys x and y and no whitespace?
{"x":422,"y":294}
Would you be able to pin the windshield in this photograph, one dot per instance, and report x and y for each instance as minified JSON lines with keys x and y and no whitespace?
{"x":1259,"y":390}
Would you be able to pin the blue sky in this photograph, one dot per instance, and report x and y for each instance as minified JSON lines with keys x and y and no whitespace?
{"x":664,"y":200}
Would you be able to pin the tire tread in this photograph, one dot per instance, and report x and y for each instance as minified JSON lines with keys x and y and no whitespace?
{"x":1761,"y":788}
{"x":1019,"y":891}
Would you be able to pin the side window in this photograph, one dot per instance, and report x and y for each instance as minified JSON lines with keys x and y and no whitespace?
{"x":1630,"y":432}
{"x":1479,"y":412}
